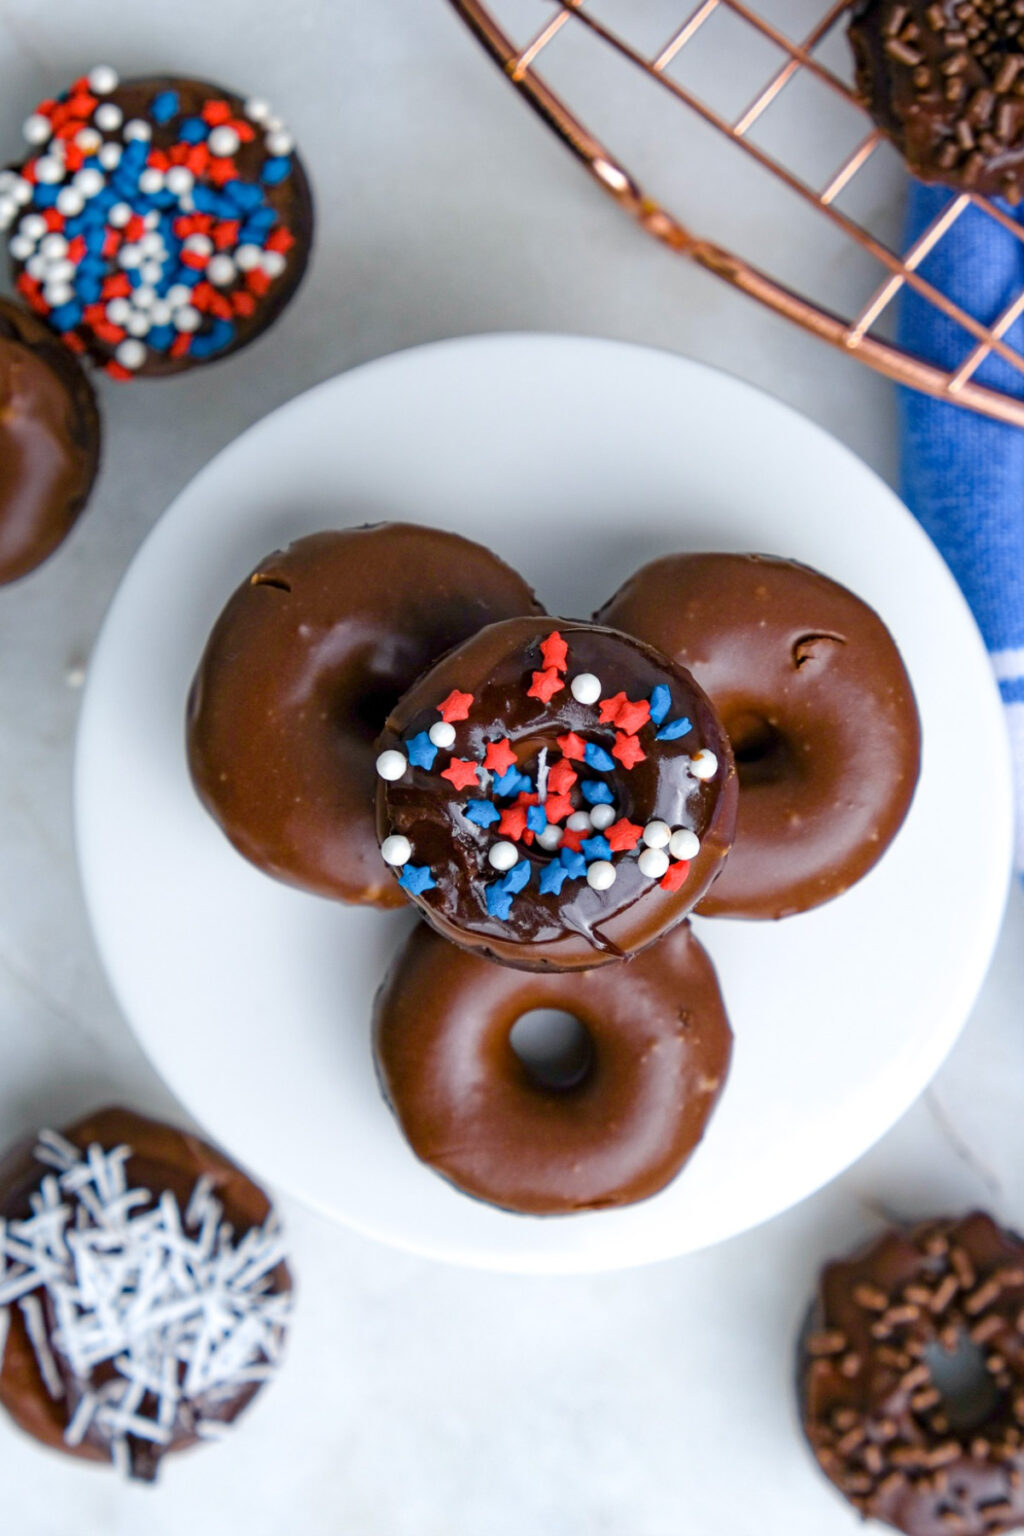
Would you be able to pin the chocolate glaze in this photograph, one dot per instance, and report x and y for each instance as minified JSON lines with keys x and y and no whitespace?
{"x":163,"y":1158}
{"x":297,"y":678}
{"x":472,"y":1111}
{"x":819,"y":708}
{"x":947,"y":88}
{"x":291,"y":198}
{"x":892,"y":1441}
{"x":580,"y":927}
{"x":49,"y":441}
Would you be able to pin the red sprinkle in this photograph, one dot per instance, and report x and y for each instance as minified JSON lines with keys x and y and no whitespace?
{"x":572,"y":840}
{"x":545,"y":685}
{"x":117,"y":372}
{"x":462,"y":773}
{"x":281,"y":240}
{"x":243,"y":303}
{"x":215,"y":112}
{"x":632,"y":715}
{"x":674,"y":876}
{"x":225,"y":234}
{"x":181,"y":346}
{"x":499,"y":757}
{"x":118,"y":287}
{"x":258,"y":281}
{"x":628,"y":750}
{"x":610,"y":708}
{"x":561,"y":778}
{"x":557,"y":806}
{"x":513,"y":822}
{"x":73,"y":340}
{"x":554,"y":651}
{"x":455,"y":706}
{"x":54,"y":220}
{"x":572,"y":746}
{"x":623,"y":835}
{"x":109,"y":333}
{"x":220,"y":170}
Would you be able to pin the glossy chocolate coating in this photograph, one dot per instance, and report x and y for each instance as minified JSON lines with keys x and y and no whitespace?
{"x":893,"y":1442}
{"x":49,"y":441}
{"x":819,"y":708}
{"x":947,"y":90}
{"x":163,"y":1158}
{"x":297,"y":679}
{"x":472,"y":1110}
{"x":291,"y":199}
{"x":579,"y":927}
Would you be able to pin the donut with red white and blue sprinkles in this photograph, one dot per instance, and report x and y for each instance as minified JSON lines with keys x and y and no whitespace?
{"x":156,"y":224}
{"x":554,"y":794}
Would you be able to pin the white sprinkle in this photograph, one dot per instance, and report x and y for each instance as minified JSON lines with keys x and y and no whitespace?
{"x":58,"y":294}
{"x":179,"y":294}
{"x":223,"y":141}
{"x":221,"y":270}
{"x":103,"y":79}
{"x":600,"y":875}
{"x":179,"y":180}
{"x":36,"y":129}
{"x":160,"y":313}
{"x":110,"y":156}
{"x":34,"y":226}
{"x":542,"y":775}
{"x":22,"y":191}
{"x":49,"y":170}
{"x":144,"y":297}
{"x":274,"y":263}
{"x":704,"y":764}
{"x":579,"y":821}
{"x":81,"y":1419}
{"x":131,"y":354}
{"x":88,"y":140}
{"x":442,"y":734}
{"x":61,"y":270}
{"x":151,"y":219}
{"x":202,"y":245}
{"x":129,"y":257}
{"x":8,"y":212}
{"x":656,"y":834}
{"x":108,"y":116}
{"x":151,"y":271}
{"x":21,"y":247}
{"x":118,"y":311}
{"x":152,"y":244}
{"x":653,"y":863}
{"x":137,"y":129}
{"x":37,"y":266}
{"x":602,"y":816}
{"x":257,"y":110}
{"x":396,"y":850}
{"x":280,"y":142}
{"x":89,"y":181}
{"x":502,"y":855}
{"x":248,"y":257}
{"x":151,"y":180}
{"x":391,"y":765}
{"x":35,"y":1326}
{"x":684,"y":844}
{"x":274,"y":124}
{"x":119,"y":215}
{"x":551,"y":837}
{"x":187,"y":318}
{"x":70,"y":202}
{"x":54,"y":245}
{"x":138,"y":323}
{"x":585,"y":688}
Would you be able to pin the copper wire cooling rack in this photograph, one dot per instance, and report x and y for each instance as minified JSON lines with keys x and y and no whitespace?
{"x":862,"y":334}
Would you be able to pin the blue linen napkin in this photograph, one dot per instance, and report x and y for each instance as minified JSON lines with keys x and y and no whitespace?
{"x":963,"y":475}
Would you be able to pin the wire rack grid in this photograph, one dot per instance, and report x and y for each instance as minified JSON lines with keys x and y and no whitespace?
{"x":861,"y":334}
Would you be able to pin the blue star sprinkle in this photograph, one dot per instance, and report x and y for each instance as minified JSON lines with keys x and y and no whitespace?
{"x":536,"y":818}
{"x":596,"y":757}
{"x":596,"y":793}
{"x":421,"y":751}
{"x":674,"y":728}
{"x":482,"y":812}
{"x":596,"y":848}
{"x":574,"y":864}
{"x":415,"y":879}
{"x":552,"y":878}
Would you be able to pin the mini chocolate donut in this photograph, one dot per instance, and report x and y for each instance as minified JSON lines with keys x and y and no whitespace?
{"x":944,"y":82}
{"x":911,"y":1378}
{"x":156,"y":224}
{"x":296,"y":681}
{"x":49,"y":442}
{"x":659,"y":1046}
{"x":819,"y":708}
{"x":555,"y":798}
{"x":126,"y":1331}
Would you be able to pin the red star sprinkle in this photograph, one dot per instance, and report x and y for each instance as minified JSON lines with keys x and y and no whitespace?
{"x":610,"y":707}
{"x":500,"y":757}
{"x":628,"y":750}
{"x":461,"y":772}
{"x":632,"y":715}
{"x":572,"y":746}
{"x":557,"y":806}
{"x":561,"y":778}
{"x":524,"y":799}
{"x":513,"y":822}
{"x":455,"y":706}
{"x":674,"y":876}
{"x":623,"y":835}
{"x":545,"y":685}
{"x":572,"y":840}
{"x":554,"y":651}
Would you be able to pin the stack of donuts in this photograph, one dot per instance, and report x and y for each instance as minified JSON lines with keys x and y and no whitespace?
{"x":386,"y":715}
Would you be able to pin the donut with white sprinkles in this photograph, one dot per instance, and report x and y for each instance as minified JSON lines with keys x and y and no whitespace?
{"x":156,"y":224}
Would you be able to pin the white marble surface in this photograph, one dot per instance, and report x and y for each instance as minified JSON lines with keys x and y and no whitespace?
{"x":419,"y":1400}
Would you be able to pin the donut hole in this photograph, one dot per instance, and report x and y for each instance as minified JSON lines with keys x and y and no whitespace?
{"x":969,"y":1395}
{"x":759,"y":747}
{"x":555,"y":1048}
{"x":365,"y":715}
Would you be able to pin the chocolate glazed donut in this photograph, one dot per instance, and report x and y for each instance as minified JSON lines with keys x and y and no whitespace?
{"x":298,"y":676}
{"x":819,"y":708}
{"x":659,"y":1051}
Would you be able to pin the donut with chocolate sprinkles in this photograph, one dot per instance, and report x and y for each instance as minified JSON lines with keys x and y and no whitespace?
{"x":911,"y":1378}
{"x":945,"y":81}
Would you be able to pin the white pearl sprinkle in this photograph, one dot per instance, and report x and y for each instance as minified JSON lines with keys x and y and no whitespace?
{"x":8,"y":212}
{"x":396,"y":850}
{"x":442,"y":734}
{"x":54,"y":245}
{"x":37,"y":266}
{"x":119,"y":215}
{"x":36,"y":129}
{"x":34,"y":226}
{"x":653,"y":863}
{"x":110,"y":157}
{"x":585,"y":688}
{"x":248,"y":258}
{"x":178,"y":294}
{"x":579,"y":821}
{"x":60,"y":271}
{"x":502,"y":855}
{"x":151,"y":271}
{"x":129,"y":257}
{"x":600,"y":875}
{"x":602,"y":816}
{"x":103,"y":79}
{"x":108,"y":116}
{"x":137,"y":129}
{"x":257,"y":110}
{"x":70,"y":202}
{"x":58,"y":293}
{"x":88,"y":140}
{"x":118,"y":311}
{"x":551,"y":837}
{"x":49,"y":170}
{"x":656,"y":834}
{"x":152,"y":244}
{"x":22,"y":191}
{"x":138,"y":323}
{"x":179,"y":180}
{"x":280,"y":142}
{"x":221,"y":270}
{"x":187,"y":318}
{"x":160,"y":313}
{"x":223,"y":141}
{"x":151,"y":219}
{"x":21,"y":247}
{"x":144,"y":296}
{"x":151,"y":180}
{"x":391,"y":765}
{"x":89,"y":181}
{"x":704,"y":765}
{"x":273,"y":263}
{"x":274,"y":124}
{"x":131,"y":354}
{"x":202,"y":245}
{"x":684,"y":844}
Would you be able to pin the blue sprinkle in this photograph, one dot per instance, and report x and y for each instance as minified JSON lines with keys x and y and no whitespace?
{"x":193,"y":130}
{"x":95,"y":236}
{"x":263,"y":218}
{"x":244,"y":194}
{"x":512,"y":782}
{"x":574,"y":864}
{"x":482,"y":812}
{"x":161,"y":338}
{"x":499,"y":901}
{"x":89,"y":290}
{"x":416,"y":878}
{"x":536,"y":818}
{"x":45,"y":195}
{"x":163,"y":107}
{"x":276,"y":170}
{"x":596,"y":848}
{"x":661,"y":703}
{"x":517,"y":877}
{"x":596,"y":757}
{"x":673,"y":729}
{"x":596,"y":793}
{"x":552,"y":878}
{"x":421,"y":751}
{"x":66,"y":317}
{"x":205,"y":198}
